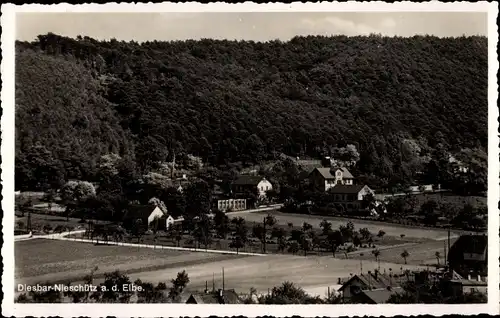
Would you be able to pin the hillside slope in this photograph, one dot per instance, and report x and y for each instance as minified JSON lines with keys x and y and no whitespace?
{"x":62,"y":121}
{"x":229,"y":101}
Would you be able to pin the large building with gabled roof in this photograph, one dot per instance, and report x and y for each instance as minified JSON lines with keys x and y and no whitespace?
{"x":327,"y":178}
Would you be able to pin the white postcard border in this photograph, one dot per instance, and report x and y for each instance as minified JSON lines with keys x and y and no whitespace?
{"x":157,"y":310}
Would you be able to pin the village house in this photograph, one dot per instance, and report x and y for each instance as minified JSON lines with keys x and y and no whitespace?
{"x":459,"y":165}
{"x":219,"y":297}
{"x":327,"y":178}
{"x":249,"y":183}
{"x":147,"y":214}
{"x":460,"y":286}
{"x":469,"y":255}
{"x":350,"y":197}
{"x":370,"y":288}
{"x":179,"y":183}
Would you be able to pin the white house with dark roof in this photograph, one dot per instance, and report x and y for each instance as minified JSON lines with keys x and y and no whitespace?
{"x":252,"y":183}
{"x":350,"y":197}
{"x":147,"y":214}
{"x":327,"y":178}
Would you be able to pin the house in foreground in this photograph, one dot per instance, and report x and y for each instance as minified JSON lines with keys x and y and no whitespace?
{"x":370,"y":288}
{"x":460,"y":286}
{"x":147,"y":214}
{"x":374,"y":296}
{"x":469,"y":255}
{"x":228,"y":296}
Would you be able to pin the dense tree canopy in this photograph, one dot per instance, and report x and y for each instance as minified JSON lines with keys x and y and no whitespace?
{"x":229,"y":101}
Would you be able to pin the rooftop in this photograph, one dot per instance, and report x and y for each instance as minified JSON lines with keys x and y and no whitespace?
{"x":139,"y":211}
{"x":327,"y":173}
{"x":229,"y":296}
{"x":374,"y":280}
{"x":381,"y":296}
{"x":470,"y":244}
{"x":248,"y":180}
{"x":347,"y":189}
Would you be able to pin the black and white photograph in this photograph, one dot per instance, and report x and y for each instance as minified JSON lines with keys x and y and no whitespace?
{"x":250,"y":156}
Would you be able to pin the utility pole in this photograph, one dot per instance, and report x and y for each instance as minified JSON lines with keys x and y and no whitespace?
{"x":223,"y":282}
{"x":445,"y":263}
{"x":449,"y":242}
{"x":265,"y":236}
{"x":29,"y":220}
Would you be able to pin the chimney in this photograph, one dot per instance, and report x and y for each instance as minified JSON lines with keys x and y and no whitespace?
{"x":206,"y":287}
{"x":220,"y":296}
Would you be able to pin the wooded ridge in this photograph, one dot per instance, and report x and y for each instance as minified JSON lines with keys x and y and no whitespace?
{"x":244,"y":101}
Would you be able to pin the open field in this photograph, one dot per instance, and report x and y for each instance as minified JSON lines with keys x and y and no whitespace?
{"x":394,"y":230}
{"x":39,"y":219}
{"x":420,"y":254}
{"x":42,"y":260}
{"x":263,"y":273}
{"x":56,"y":261}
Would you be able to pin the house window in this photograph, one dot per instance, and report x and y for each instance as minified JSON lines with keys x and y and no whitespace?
{"x":355,"y":290}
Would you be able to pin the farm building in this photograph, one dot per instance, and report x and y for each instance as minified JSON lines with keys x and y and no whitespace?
{"x":147,"y":215}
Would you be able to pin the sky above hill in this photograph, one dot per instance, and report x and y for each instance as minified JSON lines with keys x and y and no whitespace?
{"x":255,"y":26}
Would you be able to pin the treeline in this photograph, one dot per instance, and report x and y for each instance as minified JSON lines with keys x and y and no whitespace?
{"x":243,"y":101}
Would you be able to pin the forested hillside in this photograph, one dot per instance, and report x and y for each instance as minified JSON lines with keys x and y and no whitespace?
{"x":243,"y":101}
